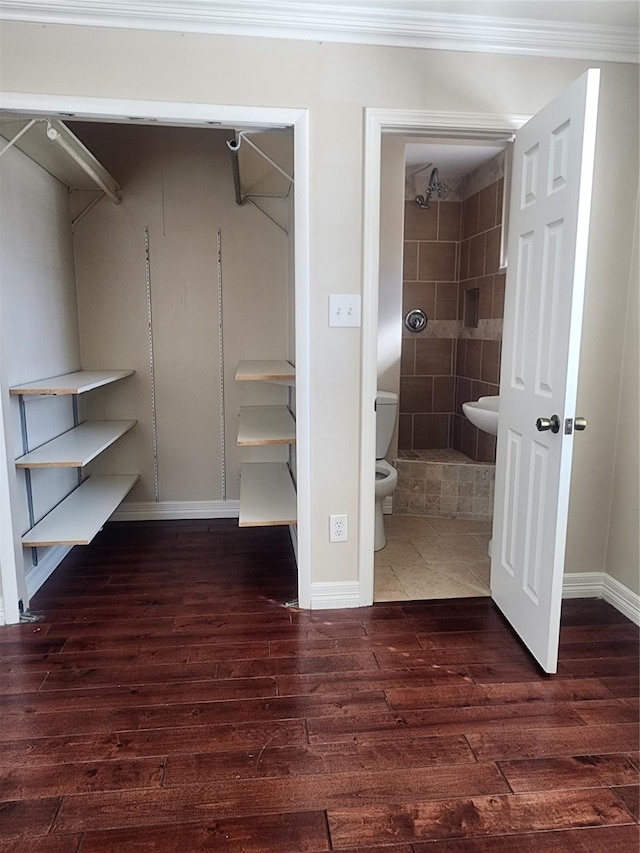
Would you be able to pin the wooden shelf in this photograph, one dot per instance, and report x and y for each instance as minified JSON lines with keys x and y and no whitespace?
{"x":71,"y":383}
{"x":265,"y":371}
{"x":80,"y":516}
{"x":77,"y":447}
{"x":266,"y":425}
{"x":267,"y":495}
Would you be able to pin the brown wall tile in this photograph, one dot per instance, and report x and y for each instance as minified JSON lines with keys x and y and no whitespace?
{"x":408,"y":357}
{"x":419,"y":294}
{"x":490,"y":369}
{"x":497,"y":306}
{"x":477,"y":255}
{"x":405,"y":432}
{"x":416,"y":393}
{"x":437,"y":261}
{"x":430,"y":432}
{"x":473,"y":358}
{"x":410,"y":261}
{"x":446,"y":301}
{"x":434,"y":357}
{"x":463,"y":266}
{"x":443,"y":393}
{"x":485,"y":302}
{"x":487,"y":205}
{"x":470,"y":216}
{"x":420,"y":223}
{"x":492,"y":256}
{"x":449,"y":220}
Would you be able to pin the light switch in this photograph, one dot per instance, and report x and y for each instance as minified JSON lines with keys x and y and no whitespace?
{"x":344,"y":309}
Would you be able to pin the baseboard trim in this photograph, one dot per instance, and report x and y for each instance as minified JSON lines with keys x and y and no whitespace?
{"x":335,"y":595}
{"x":37,"y":575}
{"x":152,"y":510}
{"x":602,"y":585}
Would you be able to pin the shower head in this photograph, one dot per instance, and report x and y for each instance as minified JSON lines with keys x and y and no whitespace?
{"x":435,"y":186}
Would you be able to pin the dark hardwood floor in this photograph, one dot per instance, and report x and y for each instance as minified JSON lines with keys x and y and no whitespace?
{"x":169,"y":701}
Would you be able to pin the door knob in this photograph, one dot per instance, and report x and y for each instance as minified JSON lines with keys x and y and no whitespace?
{"x":552,"y":423}
{"x":579,"y":424}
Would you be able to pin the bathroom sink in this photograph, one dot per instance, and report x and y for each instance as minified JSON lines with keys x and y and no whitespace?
{"x":483,"y":413}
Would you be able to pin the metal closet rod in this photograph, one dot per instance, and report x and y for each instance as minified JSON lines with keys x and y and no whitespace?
{"x":55,"y":136}
{"x":234,"y":147}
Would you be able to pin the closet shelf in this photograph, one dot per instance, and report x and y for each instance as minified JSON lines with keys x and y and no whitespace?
{"x":52,"y":145}
{"x":80,"y":516}
{"x":266,"y":371}
{"x":266,"y":425}
{"x":77,"y":447}
{"x":71,"y":383}
{"x":267,"y":495}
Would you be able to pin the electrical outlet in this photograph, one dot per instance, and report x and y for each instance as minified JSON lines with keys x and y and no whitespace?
{"x":338,"y":528}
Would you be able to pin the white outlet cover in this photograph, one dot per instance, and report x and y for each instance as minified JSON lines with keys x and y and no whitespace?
{"x":345,"y":309}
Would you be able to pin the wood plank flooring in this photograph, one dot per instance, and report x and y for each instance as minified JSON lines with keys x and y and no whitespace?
{"x":169,"y":701}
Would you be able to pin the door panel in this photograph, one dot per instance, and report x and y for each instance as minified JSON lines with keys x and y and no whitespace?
{"x":548,"y":238}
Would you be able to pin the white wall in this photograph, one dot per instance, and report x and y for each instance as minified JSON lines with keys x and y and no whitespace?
{"x":38,"y":330}
{"x":178,"y":183}
{"x":335,"y":82}
{"x":623,"y":553}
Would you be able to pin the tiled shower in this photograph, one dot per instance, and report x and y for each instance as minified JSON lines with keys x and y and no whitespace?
{"x":451,"y":256}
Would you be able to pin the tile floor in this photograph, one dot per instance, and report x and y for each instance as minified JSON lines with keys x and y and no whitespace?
{"x":432,"y":558}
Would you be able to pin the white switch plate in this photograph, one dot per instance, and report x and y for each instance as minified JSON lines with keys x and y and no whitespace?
{"x":344,"y":309}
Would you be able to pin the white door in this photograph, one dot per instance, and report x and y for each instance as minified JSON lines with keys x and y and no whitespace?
{"x":547,"y":252}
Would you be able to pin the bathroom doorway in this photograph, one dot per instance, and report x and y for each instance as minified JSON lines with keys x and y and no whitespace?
{"x":447,"y":262}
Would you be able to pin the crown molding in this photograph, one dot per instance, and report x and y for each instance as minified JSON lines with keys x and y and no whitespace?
{"x":398,"y":23}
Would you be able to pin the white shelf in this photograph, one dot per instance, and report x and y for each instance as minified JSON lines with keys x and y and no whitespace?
{"x":63,"y":159}
{"x":71,"y":383}
{"x":80,"y":516}
{"x":77,"y":447}
{"x":266,"y":425}
{"x":267,"y":495}
{"x":265,"y":371}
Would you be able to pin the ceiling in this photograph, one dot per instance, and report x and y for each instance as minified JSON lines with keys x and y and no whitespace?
{"x":454,"y":160}
{"x":605,"y":30}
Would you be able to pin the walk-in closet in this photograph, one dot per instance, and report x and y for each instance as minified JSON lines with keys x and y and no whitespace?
{"x":148,"y":327}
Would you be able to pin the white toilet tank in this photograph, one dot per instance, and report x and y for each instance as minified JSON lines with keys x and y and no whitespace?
{"x":386,"y":414}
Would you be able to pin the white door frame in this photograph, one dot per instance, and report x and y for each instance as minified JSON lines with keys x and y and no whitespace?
{"x":210,"y":115}
{"x":379,"y":121}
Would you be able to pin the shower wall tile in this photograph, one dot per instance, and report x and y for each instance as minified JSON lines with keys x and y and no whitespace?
{"x":419,"y":294}
{"x":449,"y":220}
{"x":492,"y":252}
{"x":485,"y":302}
{"x":405,"y":432}
{"x":437,"y":261}
{"x":408,"y":357}
{"x":477,"y":255}
{"x":449,"y":248}
{"x":490,"y":364}
{"x":416,"y":394}
{"x":446,"y":300}
{"x":431,"y":431}
{"x":487,"y":207}
{"x":443,"y":393}
{"x":420,"y":223}
{"x":410,"y":262}
{"x":497,"y":305}
{"x":434,"y":357}
{"x":470,"y":216}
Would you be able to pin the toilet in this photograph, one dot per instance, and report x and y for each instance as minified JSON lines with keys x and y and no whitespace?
{"x":386,"y":474}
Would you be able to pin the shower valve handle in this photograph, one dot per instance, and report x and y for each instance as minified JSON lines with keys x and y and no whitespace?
{"x":552,"y":423}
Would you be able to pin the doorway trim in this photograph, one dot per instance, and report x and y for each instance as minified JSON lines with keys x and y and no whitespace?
{"x":211,"y":115}
{"x":454,"y":125}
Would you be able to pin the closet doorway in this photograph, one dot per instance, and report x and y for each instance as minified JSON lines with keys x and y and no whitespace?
{"x":176,"y":120}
